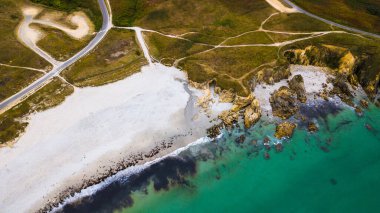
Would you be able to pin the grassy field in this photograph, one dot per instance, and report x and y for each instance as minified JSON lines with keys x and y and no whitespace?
{"x":13,"y":80}
{"x":229,"y":67}
{"x":59,"y":45}
{"x":12,"y":51}
{"x":295,"y":22}
{"x":167,"y":50}
{"x":219,"y":18}
{"x":116,"y":57}
{"x":90,"y":7}
{"x":13,"y":122}
{"x":362,"y":14}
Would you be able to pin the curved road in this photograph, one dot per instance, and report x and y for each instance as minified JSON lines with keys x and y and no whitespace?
{"x":106,"y":26}
{"x":331,"y":22}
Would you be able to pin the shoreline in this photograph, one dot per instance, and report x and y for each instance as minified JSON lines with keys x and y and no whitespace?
{"x":79,"y":143}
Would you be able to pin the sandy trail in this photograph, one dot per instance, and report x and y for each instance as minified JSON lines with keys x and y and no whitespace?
{"x":280,"y":7}
{"x":78,"y":19}
{"x":29,"y":36}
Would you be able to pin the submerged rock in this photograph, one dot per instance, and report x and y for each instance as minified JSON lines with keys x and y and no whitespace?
{"x":312,"y":127}
{"x":284,"y":103}
{"x":284,"y":130}
{"x":364,"y":103}
{"x":298,"y":86}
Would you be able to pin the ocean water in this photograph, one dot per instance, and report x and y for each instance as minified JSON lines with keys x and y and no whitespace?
{"x":336,"y":169}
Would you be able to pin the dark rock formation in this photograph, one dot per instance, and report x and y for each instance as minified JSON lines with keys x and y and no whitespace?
{"x":284,"y":103}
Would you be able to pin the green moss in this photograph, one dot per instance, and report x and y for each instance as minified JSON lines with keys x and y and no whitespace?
{"x":116,"y":57}
{"x":13,"y":123}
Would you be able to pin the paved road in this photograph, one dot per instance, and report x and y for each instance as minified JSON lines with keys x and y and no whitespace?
{"x":331,"y":22}
{"x":107,"y":25}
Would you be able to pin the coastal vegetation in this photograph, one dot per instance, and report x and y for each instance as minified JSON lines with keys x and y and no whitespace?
{"x":14,"y":121}
{"x":14,"y":52}
{"x":13,"y":80}
{"x":117,"y":57}
{"x":90,"y":7}
{"x":361,"y":14}
{"x":59,"y":45}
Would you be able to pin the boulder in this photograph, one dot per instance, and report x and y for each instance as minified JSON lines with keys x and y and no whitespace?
{"x":298,"y":86}
{"x":284,"y":130}
{"x":226,"y":96}
{"x":284,"y":103}
{"x":242,"y":102}
{"x":312,"y":127}
{"x":229,"y":117}
{"x":252,"y":113}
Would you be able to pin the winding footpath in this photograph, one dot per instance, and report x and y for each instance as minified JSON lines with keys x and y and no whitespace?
{"x":106,"y":26}
{"x":330,"y":22}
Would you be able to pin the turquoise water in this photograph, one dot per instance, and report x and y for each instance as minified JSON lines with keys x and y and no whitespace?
{"x":335,"y":170}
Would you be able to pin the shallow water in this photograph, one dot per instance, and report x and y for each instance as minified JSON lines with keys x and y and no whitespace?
{"x":334,"y":170}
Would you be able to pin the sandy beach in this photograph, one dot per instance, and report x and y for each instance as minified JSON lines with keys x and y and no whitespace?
{"x":93,"y":130}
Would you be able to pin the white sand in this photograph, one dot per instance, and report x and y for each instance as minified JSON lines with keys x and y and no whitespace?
{"x":314,"y":78}
{"x":91,"y":129}
{"x":280,"y":7}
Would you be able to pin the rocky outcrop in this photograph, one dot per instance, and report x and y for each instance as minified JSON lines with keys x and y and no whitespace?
{"x":284,"y":103}
{"x":225,"y":96}
{"x":271,"y":75}
{"x":242,"y":102}
{"x":248,"y":107}
{"x":361,"y":68}
{"x":298,"y":86}
{"x":229,"y":117}
{"x":284,"y":130}
{"x":252,"y":114}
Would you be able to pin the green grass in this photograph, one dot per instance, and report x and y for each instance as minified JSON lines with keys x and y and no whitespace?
{"x":13,"y":123}
{"x":12,"y":51}
{"x":216,"y":18}
{"x":115,"y":58}
{"x":90,"y":7}
{"x":59,"y":45}
{"x":251,"y":38}
{"x":295,"y":22}
{"x":13,"y":80}
{"x":362,"y":14}
{"x":167,"y":50}
{"x":229,"y":67}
